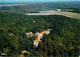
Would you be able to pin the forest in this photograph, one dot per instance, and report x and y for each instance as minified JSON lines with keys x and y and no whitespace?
{"x":63,"y":41}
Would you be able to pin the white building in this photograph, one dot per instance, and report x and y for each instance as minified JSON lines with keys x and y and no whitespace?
{"x":29,"y":34}
{"x":35,"y":43}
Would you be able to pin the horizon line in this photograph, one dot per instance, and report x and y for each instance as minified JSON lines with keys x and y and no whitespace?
{"x":37,"y":1}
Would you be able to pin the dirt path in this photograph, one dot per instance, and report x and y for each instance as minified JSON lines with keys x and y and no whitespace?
{"x":24,"y":51}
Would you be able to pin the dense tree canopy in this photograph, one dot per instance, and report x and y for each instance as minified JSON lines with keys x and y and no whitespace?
{"x":63,"y":41}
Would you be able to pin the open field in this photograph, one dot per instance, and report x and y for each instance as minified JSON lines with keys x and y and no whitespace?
{"x":11,"y":5}
{"x":51,"y":12}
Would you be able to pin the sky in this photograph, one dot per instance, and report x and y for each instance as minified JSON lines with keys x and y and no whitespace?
{"x":34,"y":0}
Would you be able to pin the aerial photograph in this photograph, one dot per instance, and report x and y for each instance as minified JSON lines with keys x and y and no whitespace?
{"x":39,"y":28}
